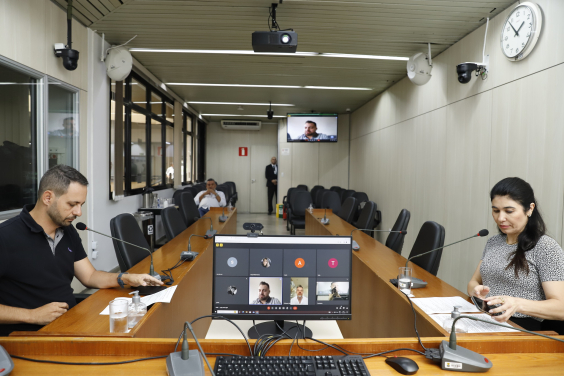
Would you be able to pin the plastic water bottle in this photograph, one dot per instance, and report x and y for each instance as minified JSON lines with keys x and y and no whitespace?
{"x":310,"y":208}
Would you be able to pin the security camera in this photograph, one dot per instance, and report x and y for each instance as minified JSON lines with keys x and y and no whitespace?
{"x":270,"y":114}
{"x":70,"y":56}
{"x":464,"y":72}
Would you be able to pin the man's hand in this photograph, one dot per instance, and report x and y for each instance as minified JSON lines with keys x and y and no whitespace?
{"x":135,"y":280}
{"x":47,"y":313}
{"x":274,"y":181}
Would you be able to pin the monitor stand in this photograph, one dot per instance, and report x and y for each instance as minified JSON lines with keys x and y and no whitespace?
{"x":270,"y":327}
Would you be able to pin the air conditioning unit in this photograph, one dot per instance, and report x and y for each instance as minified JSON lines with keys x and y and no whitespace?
{"x":241,"y":125}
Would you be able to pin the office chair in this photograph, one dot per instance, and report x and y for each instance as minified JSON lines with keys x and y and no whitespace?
{"x":226,"y":191}
{"x":287,"y":203}
{"x":296,"y":213}
{"x":172,"y":222}
{"x":431,"y":236}
{"x":366,"y":218}
{"x":176,"y":195}
{"x":314,"y":191}
{"x":188,"y":208}
{"x":395,"y":239}
{"x":348,"y":209}
{"x":361,"y":198}
{"x":331,"y":201}
{"x":317,"y":200}
{"x":346,"y":194}
{"x":125,"y":227}
{"x":234,"y":196}
{"x":302,"y":186}
{"x":335,"y":188}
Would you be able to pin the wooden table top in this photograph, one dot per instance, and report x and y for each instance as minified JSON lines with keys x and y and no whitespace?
{"x":85,"y":317}
{"x":535,"y":356}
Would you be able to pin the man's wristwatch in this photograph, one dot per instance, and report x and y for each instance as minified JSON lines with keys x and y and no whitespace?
{"x":120,"y":281}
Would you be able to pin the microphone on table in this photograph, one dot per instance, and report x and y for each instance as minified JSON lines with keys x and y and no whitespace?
{"x":81,"y":226}
{"x":355,"y":245}
{"x":189,"y":255}
{"x":211,"y":232}
{"x":417,"y":283}
{"x":468,"y":360}
{"x":222,"y":217}
{"x":325,"y":220}
{"x":186,"y":361}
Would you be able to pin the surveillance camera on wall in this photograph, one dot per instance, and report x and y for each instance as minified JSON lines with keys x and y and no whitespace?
{"x":70,"y":56}
{"x":465,"y":70}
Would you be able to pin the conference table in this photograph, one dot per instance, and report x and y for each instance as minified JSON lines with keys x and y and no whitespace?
{"x":382,"y":318}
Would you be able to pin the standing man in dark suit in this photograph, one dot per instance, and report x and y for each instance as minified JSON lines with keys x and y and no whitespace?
{"x":271,"y":175}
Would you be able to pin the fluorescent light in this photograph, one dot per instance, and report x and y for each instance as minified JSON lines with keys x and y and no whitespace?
{"x":244,"y":104}
{"x":250,"y":52}
{"x":274,"y":86}
{"x":276,"y":116}
{"x":336,"y":88}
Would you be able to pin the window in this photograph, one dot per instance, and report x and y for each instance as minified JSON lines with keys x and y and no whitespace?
{"x":186,"y":154}
{"x":62,"y":128}
{"x":148,"y":137}
{"x":18,"y":146}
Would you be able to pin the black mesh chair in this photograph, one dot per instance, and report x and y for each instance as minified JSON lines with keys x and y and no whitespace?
{"x":125,"y":227}
{"x":335,"y":188}
{"x":348,"y":209}
{"x":303,"y":187}
{"x":346,"y":194}
{"x":314,"y":191}
{"x":361,"y":198}
{"x":319,"y":197}
{"x":188,"y":208}
{"x":226,"y":191}
{"x":172,"y":222}
{"x":234,"y":197}
{"x":366,"y":218}
{"x":431,"y":236}
{"x":296,"y":214}
{"x":331,"y":201}
{"x":395,"y":240}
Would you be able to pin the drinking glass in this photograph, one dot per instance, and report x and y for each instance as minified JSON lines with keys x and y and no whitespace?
{"x":118,"y":315}
{"x":404,"y":280}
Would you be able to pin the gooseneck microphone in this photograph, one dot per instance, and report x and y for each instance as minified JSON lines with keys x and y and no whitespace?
{"x":211,"y":232}
{"x":325,"y":220}
{"x":470,"y":361}
{"x":189,"y":255}
{"x":355,"y":245}
{"x":222,"y":217}
{"x":417,"y":283}
{"x":81,"y":226}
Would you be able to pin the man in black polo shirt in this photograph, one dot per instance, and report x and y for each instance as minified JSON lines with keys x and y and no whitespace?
{"x":40,"y":253}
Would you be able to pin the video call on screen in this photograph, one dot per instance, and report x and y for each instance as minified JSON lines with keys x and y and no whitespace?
{"x":282,"y":278}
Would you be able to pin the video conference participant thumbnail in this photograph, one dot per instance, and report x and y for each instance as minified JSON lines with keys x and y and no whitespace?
{"x":231,"y":290}
{"x":332,"y":291}
{"x":266,"y":290}
{"x":296,"y":291}
{"x":265,"y":263}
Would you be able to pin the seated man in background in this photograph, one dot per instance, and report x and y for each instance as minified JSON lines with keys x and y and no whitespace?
{"x":40,"y":253}
{"x":210,"y":198}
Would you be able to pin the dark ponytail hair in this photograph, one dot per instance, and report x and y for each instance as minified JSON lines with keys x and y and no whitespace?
{"x":520,"y":191}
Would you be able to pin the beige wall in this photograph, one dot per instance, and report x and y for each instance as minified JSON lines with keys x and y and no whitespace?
{"x":437,"y":149}
{"x":223,"y":162}
{"x":325,"y":164}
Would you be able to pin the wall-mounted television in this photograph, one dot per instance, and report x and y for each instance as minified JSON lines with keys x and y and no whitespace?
{"x":312,"y":127}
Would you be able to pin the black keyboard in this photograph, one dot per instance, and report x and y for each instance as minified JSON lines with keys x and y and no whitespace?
{"x":336,"y":365}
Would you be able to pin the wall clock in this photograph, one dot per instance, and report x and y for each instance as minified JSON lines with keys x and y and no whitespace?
{"x":521,"y":31}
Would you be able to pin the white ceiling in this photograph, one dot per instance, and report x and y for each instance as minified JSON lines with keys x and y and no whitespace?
{"x":368,"y":27}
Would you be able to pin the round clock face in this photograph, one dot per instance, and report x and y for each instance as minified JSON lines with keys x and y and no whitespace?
{"x":520,"y":31}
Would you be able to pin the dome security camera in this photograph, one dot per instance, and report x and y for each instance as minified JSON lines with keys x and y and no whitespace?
{"x":464,"y":72}
{"x":70,"y":56}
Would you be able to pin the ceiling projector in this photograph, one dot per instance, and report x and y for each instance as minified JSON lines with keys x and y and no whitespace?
{"x":275,"y":41}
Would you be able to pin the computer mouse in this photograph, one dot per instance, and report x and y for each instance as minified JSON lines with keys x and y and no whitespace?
{"x":6,"y":363}
{"x":405,"y":366}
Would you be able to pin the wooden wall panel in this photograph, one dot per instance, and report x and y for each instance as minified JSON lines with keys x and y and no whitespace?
{"x":334,"y":158}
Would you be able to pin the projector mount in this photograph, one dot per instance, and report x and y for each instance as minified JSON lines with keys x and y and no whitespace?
{"x":273,"y":25}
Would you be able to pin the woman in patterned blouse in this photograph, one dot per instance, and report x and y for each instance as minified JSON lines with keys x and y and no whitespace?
{"x":521,"y":273}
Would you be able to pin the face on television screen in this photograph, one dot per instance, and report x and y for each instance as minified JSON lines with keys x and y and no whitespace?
{"x":312,"y":127}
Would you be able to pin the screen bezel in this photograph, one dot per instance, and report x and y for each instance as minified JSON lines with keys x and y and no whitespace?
{"x":282,"y":316}
{"x":310,"y":115}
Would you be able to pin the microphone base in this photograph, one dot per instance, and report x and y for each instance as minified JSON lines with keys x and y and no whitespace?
{"x":355,"y":245}
{"x":462,"y":360}
{"x":148,"y":290}
{"x":222,"y":218}
{"x":416,"y":283}
{"x":188,"y":255}
{"x":324,"y":221}
{"x":211,"y":233}
{"x":193,"y":366}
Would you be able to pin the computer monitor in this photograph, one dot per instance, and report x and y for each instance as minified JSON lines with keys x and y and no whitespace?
{"x":282,"y":278}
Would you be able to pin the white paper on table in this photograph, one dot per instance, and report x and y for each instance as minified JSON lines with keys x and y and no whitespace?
{"x":163,"y":296}
{"x":444,"y":304}
{"x":476,"y":326}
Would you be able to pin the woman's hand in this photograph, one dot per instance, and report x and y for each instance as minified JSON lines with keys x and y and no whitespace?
{"x":481,"y":291}
{"x":506,"y":305}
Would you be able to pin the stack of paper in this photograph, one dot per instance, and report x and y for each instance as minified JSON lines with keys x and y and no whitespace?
{"x":163,"y":296}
